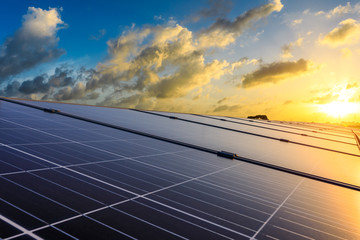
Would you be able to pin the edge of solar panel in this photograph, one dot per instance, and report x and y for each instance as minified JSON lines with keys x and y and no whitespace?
{"x":192,"y":207}
{"x":197,"y":147}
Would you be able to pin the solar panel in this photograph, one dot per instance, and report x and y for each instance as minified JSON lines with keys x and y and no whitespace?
{"x":325,"y":163}
{"x":65,"y":178}
{"x":344,"y":145}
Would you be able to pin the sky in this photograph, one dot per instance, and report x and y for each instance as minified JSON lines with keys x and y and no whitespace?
{"x":290,"y":60}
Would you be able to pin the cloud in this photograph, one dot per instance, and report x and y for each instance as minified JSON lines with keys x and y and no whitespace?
{"x":42,"y":84}
{"x":62,"y":77}
{"x":143,"y":66}
{"x":189,"y":76}
{"x":355,"y":99}
{"x":339,"y":10}
{"x":347,"y":32}
{"x":158,"y":18}
{"x":275,"y":72}
{"x":34,"y":43}
{"x":223,"y":100}
{"x":229,"y":108}
{"x":346,"y":52}
{"x":352,"y":85}
{"x":223,"y":31}
{"x":286,"y":49}
{"x":244,"y":61}
{"x":217,"y":8}
{"x":37,"y":85}
{"x":97,"y":37}
{"x":68,"y":93}
{"x":296,"y":22}
{"x":168,"y":65}
{"x":11,"y":89}
{"x":328,"y":98}
{"x":149,"y":67}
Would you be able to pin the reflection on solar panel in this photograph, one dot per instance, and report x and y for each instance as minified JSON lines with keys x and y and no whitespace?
{"x":83,"y":172}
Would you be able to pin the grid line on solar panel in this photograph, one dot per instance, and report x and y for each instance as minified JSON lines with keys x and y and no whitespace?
{"x":74,"y":141}
{"x":324,"y":127}
{"x":83,"y":142}
{"x":246,"y":124}
{"x":250,"y":133}
{"x":65,"y":124}
{"x":298,"y":135}
{"x":309,"y":227}
{"x":357,"y":139}
{"x":89,"y":163}
{"x":263,"y":164}
{"x":350,"y":230}
{"x":140,"y":198}
{"x":29,"y":214}
{"x":196,"y":217}
{"x":291,"y":209}
{"x":277,"y":209}
{"x":186,"y":181}
{"x":326,"y":209}
{"x":124,"y":129}
{"x":283,"y":126}
{"x":134,"y":160}
{"x":64,"y":167}
{"x":17,"y":226}
{"x":223,"y":119}
{"x":301,"y":206}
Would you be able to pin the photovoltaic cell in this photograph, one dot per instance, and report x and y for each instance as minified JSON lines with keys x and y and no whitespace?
{"x":89,"y":181}
{"x":320,"y":162}
{"x":275,"y":133}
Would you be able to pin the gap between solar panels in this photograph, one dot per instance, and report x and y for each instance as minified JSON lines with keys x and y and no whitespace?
{"x":290,"y":127}
{"x":223,"y":154}
{"x":245,"y":132}
{"x":356,"y":138}
{"x":278,"y":130}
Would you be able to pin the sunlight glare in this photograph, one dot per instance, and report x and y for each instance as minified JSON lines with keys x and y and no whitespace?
{"x":339,"y":109}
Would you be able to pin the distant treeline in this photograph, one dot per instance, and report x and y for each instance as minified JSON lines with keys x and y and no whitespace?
{"x":261,"y":117}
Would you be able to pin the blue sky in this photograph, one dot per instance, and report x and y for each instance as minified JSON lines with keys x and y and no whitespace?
{"x":86,"y":18}
{"x":245,"y":57}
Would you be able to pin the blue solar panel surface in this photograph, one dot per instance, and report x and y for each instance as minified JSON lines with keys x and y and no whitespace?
{"x":62,"y":178}
{"x":325,"y":163}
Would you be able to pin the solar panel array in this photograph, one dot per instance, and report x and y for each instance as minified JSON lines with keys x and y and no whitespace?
{"x":65,"y":178}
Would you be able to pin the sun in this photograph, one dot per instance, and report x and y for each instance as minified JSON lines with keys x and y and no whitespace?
{"x":339,"y":109}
